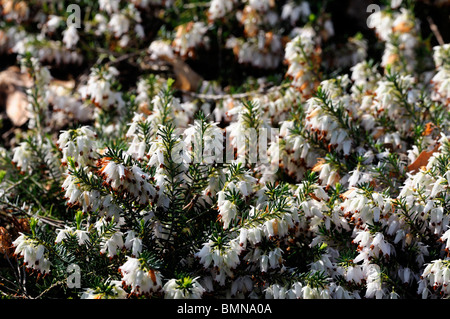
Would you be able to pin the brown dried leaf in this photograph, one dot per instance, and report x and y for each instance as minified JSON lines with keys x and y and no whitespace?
{"x":24,"y":225}
{"x":5,"y":242}
{"x":318,"y":166}
{"x":16,"y":108}
{"x":186,"y":78}
{"x":12,"y":90}
{"x":378,"y":133}
{"x":421,"y":160}
{"x":429,"y":127}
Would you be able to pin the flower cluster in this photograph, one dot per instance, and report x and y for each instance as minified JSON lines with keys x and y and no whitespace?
{"x":303,"y":58}
{"x":162,"y":173}
{"x":441,"y":55}
{"x":139,"y":278}
{"x":33,"y":253}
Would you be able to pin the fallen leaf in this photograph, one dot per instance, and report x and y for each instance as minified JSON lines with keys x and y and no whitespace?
{"x":422,"y":160}
{"x":14,"y":100}
{"x":379,"y":132}
{"x":5,"y":242}
{"x":318,"y":166}
{"x":16,"y":108}
{"x":403,"y":27}
{"x":429,"y":127}
{"x":186,"y":78}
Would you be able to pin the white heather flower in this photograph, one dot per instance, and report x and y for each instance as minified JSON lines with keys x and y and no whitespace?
{"x":159,"y":48}
{"x":67,"y":106}
{"x":189,"y":37}
{"x":24,"y":157}
{"x":329,"y":28}
{"x":81,"y":235}
{"x":382,"y":23}
{"x":241,"y":284}
{"x":275,"y":258}
{"x":144,"y":95}
{"x":70,"y":37}
{"x":140,"y":278}
{"x":299,"y":53}
{"x":405,"y":274}
{"x":355,"y":274}
{"x":374,"y":283}
{"x":113,"y":173}
{"x":320,"y":193}
{"x":101,"y":23}
{"x":396,"y":3}
{"x":342,"y":293}
{"x":263,"y":51}
{"x":99,"y":89}
{"x":219,"y":8}
{"x":73,"y":193}
{"x":440,"y":54}
{"x":354,"y":178}
{"x":436,"y":275}
{"x":393,"y":295}
{"x":446,"y":238}
{"x":109,"y":6}
{"x":32,"y":252}
{"x":79,"y":144}
{"x":111,"y":244}
{"x":138,"y":118}
{"x":137,"y":184}
{"x":115,"y":291}
{"x":139,"y":29}
{"x":293,"y":12}
{"x":223,"y":257}
{"x":137,"y":148}
{"x":277,"y":291}
{"x":119,"y":24}
{"x":309,"y":292}
{"x":438,"y":187}
{"x":227,"y":210}
{"x":207,"y":145}
{"x":53,"y":23}
{"x":185,"y":288}
{"x":442,"y":85}
{"x":384,"y":246}
{"x":378,"y":199}
{"x":134,"y":243}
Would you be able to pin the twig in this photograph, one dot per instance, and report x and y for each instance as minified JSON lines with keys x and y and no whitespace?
{"x":435,"y":31}
{"x":50,"y":221}
{"x":49,"y":288}
{"x":23,"y":280}
{"x":122,"y":57}
{"x":217,"y":97}
{"x":8,"y":281}
{"x":16,"y":184}
{"x":196,"y":5}
{"x":12,"y":267}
